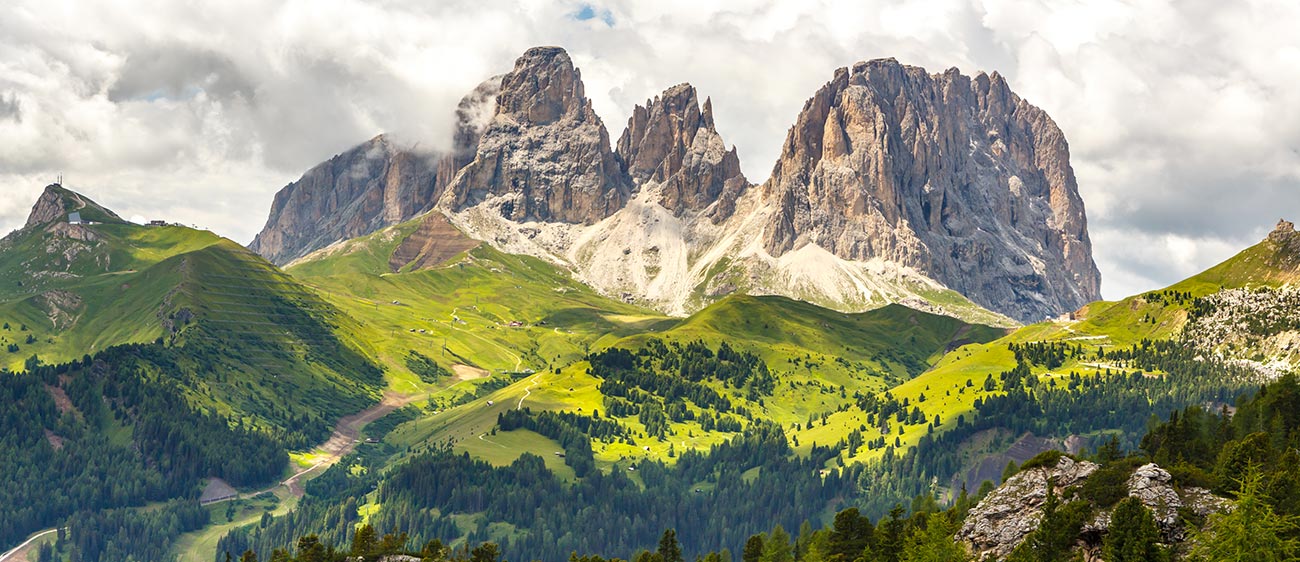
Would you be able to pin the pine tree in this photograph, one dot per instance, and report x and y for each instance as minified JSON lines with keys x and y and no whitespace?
{"x":851,"y":534}
{"x":1252,"y":531}
{"x":777,"y":546}
{"x":1133,"y":534}
{"x":934,"y":543}
{"x":364,"y":541}
{"x":753,"y":549}
{"x":890,"y":534}
{"x":669,"y":549}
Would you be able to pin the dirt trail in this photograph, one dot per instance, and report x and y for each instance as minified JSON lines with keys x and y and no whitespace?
{"x":20,"y":552}
{"x":347,"y":433}
{"x":527,"y":392}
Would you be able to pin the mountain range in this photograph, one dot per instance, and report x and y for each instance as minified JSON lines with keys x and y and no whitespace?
{"x":557,"y":341}
{"x":894,"y":185}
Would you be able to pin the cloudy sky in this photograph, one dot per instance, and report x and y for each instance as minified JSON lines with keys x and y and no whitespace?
{"x":1183,"y":116}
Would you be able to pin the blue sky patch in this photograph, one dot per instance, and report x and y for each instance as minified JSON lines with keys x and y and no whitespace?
{"x":588,"y":12}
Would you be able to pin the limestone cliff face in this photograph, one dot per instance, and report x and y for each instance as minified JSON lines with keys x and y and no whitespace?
{"x":672,"y":142}
{"x":957,"y":177}
{"x":545,"y":155}
{"x":892,"y":185}
{"x":372,"y":185}
{"x":376,"y":184}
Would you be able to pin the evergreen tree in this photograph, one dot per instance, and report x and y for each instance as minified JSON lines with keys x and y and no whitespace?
{"x":669,"y":549}
{"x":364,"y":541}
{"x":777,"y":546}
{"x":890,"y":534}
{"x":310,"y":549}
{"x":1252,"y":531}
{"x":851,"y":534}
{"x":818,"y":548}
{"x":934,"y":543}
{"x":753,"y":549}
{"x":1133,"y":534}
{"x":486,"y":552}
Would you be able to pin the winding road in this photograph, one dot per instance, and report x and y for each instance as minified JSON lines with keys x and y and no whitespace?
{"x":20,"y":552}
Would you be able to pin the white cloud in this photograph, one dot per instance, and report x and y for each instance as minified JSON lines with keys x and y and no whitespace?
{"x":1183,"y":115}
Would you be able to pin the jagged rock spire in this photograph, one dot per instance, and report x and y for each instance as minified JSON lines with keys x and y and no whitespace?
{"x":672,"y":142}
{"x":545,"y":155}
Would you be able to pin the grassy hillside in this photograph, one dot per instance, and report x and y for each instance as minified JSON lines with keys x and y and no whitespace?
{"x":822,"y":361}
{"x":1100,"y":326}
{"x":479,"y":313}
{"x":248,"y":342}
{"x":80,"y":289}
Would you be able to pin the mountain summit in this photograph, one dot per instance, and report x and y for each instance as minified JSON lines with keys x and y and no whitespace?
{"x":57,"y":202}
{"x":671,"y":141}
{"x":957,"y":177}
{"x":947,"y":192}
{"x":544,"y":155}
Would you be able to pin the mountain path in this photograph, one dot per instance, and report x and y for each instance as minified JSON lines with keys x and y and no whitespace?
{"x":527,"y":392}
{"x":346,"y":436}
{"x":20,"y":552}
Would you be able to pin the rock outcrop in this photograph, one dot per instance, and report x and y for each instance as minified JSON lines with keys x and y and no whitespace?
{"x":957,"y":177}
{"x":672,"y":142}
{"x":56,"y":202}
{"x":544,"y":155}
{"x":1013,"y":510}
{"x":375,"y":184}
{"x":1010,"y":512}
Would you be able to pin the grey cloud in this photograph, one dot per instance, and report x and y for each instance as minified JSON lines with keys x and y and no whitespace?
{"x":178,"y":71}
{"x":1183,"y":116}
{"x":10,"y":107}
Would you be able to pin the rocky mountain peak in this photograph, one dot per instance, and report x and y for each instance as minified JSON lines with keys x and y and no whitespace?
{"x":671,"y":141}
{"x":1284,"y":230}
{"x":956,"y":177}
{"x":544,"y":155}
{"x":377,"y":183}
{"x":56,"y":202}
{"x":49,"y":206}
{"x":543,"y":87}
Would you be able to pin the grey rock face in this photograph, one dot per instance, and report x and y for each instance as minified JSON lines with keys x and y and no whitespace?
{"x":376,"y":184}
{"x":671,"y":141}
{"x":368,"y":187}
{"x":1154,"y":487}
{"x":1007,"y":515}
{"x":958,"y":177}
{"x":1010,"y":512}
{"x":544,"y":155}
{"x":49,"y":207}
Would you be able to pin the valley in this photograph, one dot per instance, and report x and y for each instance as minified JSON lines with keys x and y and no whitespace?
{"x":558,"y":345}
